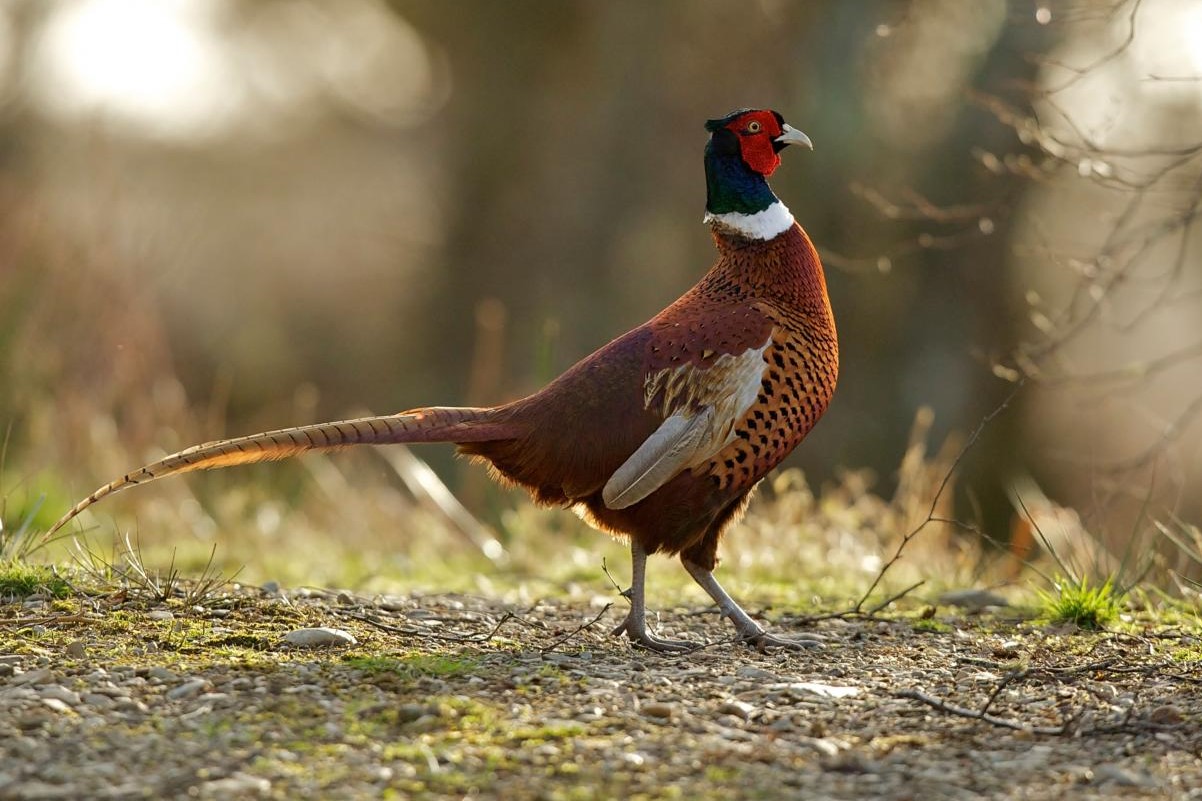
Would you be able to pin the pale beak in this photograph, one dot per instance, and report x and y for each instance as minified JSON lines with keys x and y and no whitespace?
{"x":792,"y":136}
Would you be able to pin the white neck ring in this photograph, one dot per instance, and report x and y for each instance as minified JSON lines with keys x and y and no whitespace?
{"x":767,"y":224}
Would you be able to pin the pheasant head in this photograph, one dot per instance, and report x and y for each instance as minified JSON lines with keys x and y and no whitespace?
{"x":743,"y":150}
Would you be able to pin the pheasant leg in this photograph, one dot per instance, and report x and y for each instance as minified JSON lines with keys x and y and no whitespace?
{"x":635,"y":624}
{"x":748,"y":630}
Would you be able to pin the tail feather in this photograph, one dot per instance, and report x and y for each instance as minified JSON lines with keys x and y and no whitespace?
{"x":436,"y":424}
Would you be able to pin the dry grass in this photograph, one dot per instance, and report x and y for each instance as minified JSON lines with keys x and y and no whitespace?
{"x":379,"y":520}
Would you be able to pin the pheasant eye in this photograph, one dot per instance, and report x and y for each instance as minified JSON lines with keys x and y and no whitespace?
{"x":753,"y":126}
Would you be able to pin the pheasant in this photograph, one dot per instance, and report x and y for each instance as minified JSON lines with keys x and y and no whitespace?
{"x":659,"y":436}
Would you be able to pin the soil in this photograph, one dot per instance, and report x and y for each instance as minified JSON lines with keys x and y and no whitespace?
{"x":454,"y":696}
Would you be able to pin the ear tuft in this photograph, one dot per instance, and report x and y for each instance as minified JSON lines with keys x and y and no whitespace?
{"x":716,"y":125}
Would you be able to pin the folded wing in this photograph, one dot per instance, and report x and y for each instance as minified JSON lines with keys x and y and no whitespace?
{"x":701,"y":406}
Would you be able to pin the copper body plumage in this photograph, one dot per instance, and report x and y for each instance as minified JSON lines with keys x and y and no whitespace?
{"x":660,"y":435}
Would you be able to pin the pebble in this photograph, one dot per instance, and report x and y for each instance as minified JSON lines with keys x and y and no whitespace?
{"x":188,"y":689}
{"x":32,"y":677}
{"x":407,"y":713}
{"x":825,"y":690}
{"x":61,"y":693}
{"x":394,"y":603}
{"x":634,"y":759}
{"x":1167,"y":715}
{"x":740,"y":709}
{"x":98,"y":701}
{"x":161,"y":614}
{"x":160,"y":673}
{"x":240,"y":785}
{"x":56,"y":705}
{"x":659,"y":709}
{"x":319,"y":638}
{"x":748,"y":672}
{"x":823,"y":745}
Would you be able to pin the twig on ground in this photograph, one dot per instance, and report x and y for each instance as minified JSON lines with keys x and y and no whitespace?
{"x":982,"y":715}
{"x":583,"y":626}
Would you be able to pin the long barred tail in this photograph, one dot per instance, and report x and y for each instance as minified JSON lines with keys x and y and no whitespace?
{"x":437,"y":424}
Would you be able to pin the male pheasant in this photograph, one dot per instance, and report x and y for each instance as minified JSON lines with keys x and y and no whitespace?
{"x":659,"y":436}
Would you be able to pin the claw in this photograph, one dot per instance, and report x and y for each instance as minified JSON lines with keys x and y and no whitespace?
{"x":636,"y":630}
{"x":762,"y":641}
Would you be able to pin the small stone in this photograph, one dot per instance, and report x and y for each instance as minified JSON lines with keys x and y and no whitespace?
{"x":76,"y":649}
{"x":1167,"y":715}
{"x":394,"y":603}
{"x":98,"y":701}
{"x":161,"y":614}
{"x":160,"y":673}
{"x":271,"y":587}
{"x":33,"y":677}
{"x":56,"y":705}
{"x":61,"y":693}
{"x":345,"y":598}
{"x":319,"y":638}
{"x":214,"y":699}
{"x":407,"y":713}
{"x":240,"y":785}
{"x":188,"y":689}
{"x":659,"y":709}
{"x":740,"y":709}
{"x":823,"y":745}
{"x":827,"y":690}
{"x":748,"y":672}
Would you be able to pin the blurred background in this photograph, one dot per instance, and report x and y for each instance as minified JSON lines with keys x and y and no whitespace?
{"x":223,"y":216}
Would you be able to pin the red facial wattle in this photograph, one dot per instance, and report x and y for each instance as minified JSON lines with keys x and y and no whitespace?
{"x":756,"y":131}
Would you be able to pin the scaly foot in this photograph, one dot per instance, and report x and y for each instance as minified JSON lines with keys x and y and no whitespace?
{"x":758,"y":638}
{"x":635,"y":628}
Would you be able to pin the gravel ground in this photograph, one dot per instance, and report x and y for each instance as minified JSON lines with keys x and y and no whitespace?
{"x":453,"y":696}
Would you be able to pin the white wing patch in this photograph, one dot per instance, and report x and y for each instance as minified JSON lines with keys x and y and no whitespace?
{"x":701,"y":406}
